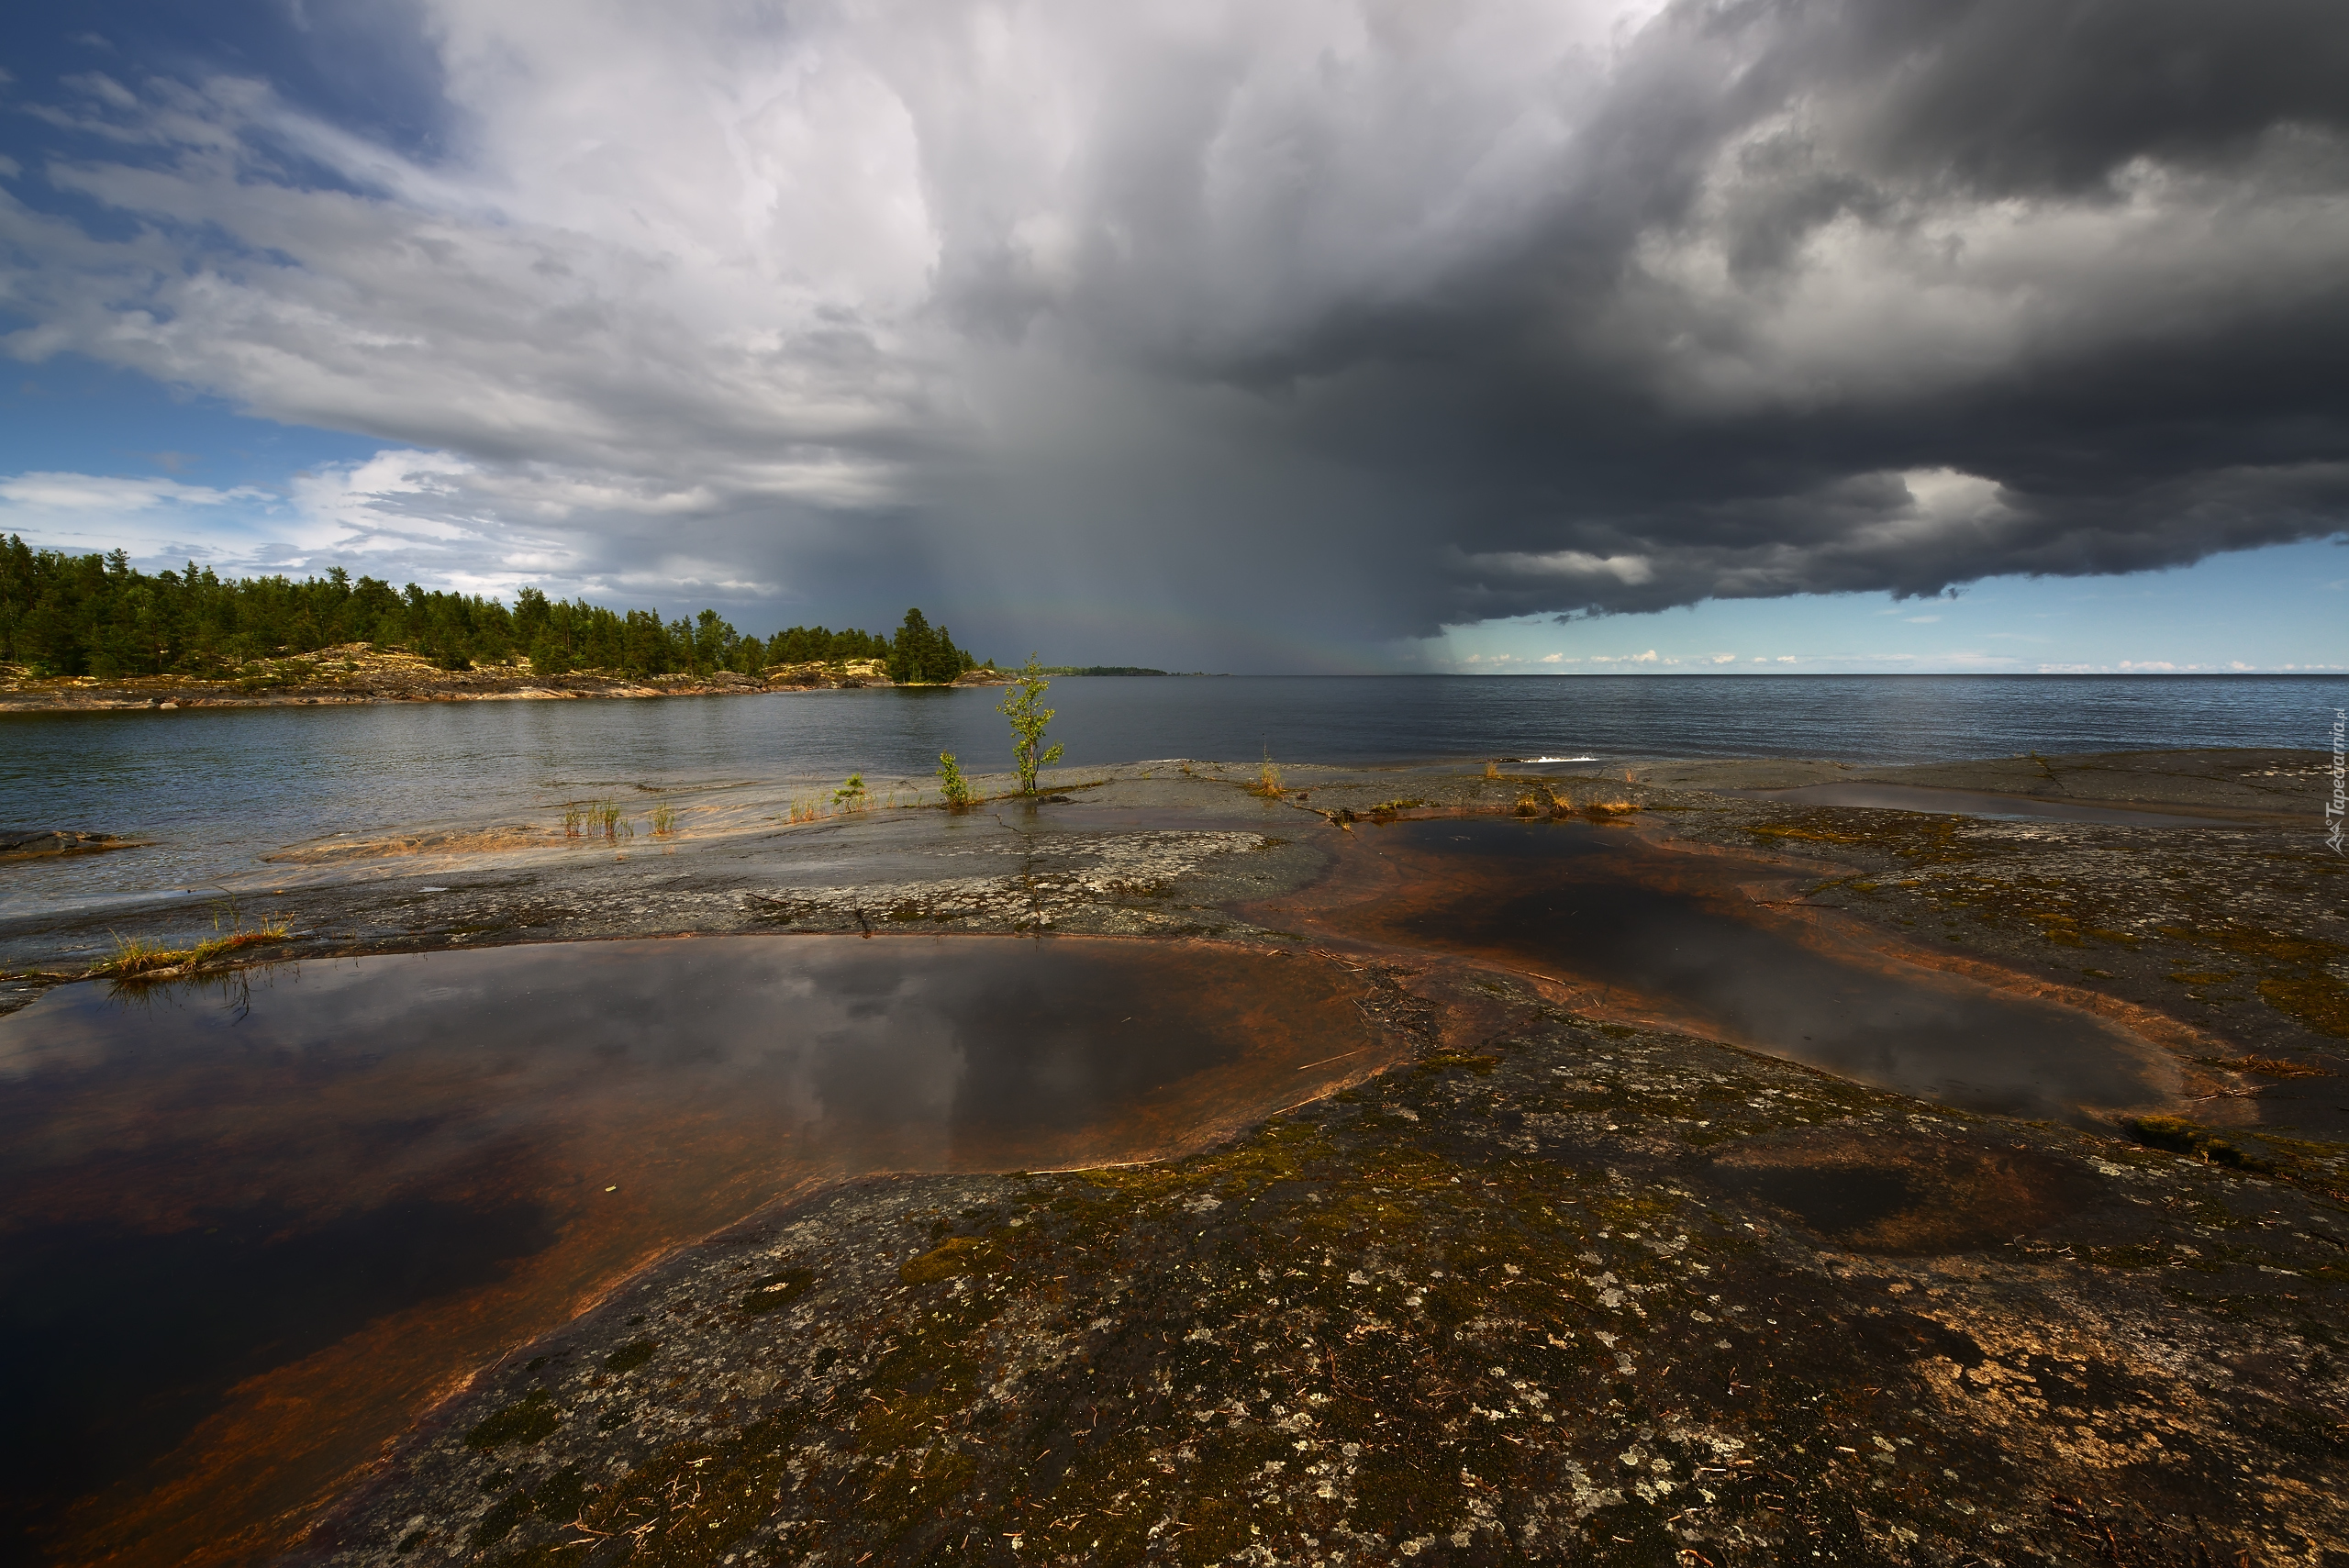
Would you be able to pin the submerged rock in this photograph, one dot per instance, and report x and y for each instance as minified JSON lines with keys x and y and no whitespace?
{"x":27,"y":843}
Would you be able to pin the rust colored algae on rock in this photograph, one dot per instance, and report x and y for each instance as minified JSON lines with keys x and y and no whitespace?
{"x":356,"y":1183}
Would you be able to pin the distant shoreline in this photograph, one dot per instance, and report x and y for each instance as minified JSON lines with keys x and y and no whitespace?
{"x":375,"y":679}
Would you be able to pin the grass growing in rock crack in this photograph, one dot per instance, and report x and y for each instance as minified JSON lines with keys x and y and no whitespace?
{"x":1268,"y":780}
{"x":135,"y":956}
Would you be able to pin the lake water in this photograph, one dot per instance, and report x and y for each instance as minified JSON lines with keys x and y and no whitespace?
{"x":220,"y":787}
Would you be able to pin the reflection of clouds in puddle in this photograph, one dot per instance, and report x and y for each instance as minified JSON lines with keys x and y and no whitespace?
{"x":885,"y":1054}
{"x":603,"y":1102}
{"x":1650,"y":932}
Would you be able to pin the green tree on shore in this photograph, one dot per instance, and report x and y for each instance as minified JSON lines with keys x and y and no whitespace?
{"x":920,"y":653}
{"x":97,"y":615}
{"x":1028,"y":723}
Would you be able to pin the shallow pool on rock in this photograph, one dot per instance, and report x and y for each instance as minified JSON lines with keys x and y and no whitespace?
{"x":250,"y":1230}
{"x":1682,"y":938}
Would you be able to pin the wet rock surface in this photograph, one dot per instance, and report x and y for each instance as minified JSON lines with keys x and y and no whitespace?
{"x":1557,"y":1293}
{"x":1082,"y":881}
{"x":28,"y":844}
{"x":1135,"y":855}
{"x":2242,"y":932}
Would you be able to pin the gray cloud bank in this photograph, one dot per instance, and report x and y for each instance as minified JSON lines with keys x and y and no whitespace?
{"x":1278,"y":330}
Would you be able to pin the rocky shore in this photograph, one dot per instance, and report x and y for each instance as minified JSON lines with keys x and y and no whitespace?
{"x":359,"y":673}
{"x":1567,"y":1286}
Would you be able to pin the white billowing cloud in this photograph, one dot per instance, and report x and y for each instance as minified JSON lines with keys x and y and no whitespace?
{"x":78,"y":494}
{"x":145,"y":517}
{"x":401,"y":515}
{"x":1543,"y":307}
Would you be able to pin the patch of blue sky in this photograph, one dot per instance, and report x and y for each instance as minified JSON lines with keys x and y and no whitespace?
{"x":2279,"y":608}
{"x":68,"y":414}
{"x":95,"y":459}
{"x":82,"y":84}
{"x":366,"y":66}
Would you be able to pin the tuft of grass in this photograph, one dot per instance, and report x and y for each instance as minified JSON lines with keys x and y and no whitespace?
{"x":604,"y":820}
{"x":664,"y":821}
{"x":575,"y":821}
{"x":850,"y":796}
{"x":135,"y":956}
{"x":1268,"y":781}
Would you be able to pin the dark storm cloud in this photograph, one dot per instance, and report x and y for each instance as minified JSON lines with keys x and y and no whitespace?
{"x":1288,"y":330}
{"x":2150,"y":377}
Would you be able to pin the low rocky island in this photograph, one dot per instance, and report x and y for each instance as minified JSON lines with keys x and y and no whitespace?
{"x":1586,"y":1276}
{"x":361,"y":672}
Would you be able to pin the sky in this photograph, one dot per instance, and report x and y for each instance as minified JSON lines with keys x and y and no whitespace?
{"x":1336,"y":335}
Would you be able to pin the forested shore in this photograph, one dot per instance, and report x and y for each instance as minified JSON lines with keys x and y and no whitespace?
{"x":98,"y":615}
